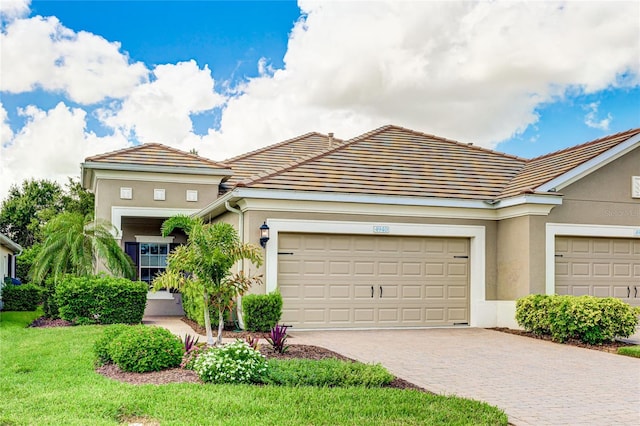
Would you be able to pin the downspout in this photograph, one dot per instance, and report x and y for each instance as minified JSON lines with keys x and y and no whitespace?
{"x":241,"y":233}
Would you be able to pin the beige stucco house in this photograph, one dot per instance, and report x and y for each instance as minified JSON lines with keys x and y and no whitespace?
{"x":394,"y":228}
{"x":8,"y":252}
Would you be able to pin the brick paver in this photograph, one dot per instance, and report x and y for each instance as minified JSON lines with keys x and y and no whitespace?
{"x":533,"y":381}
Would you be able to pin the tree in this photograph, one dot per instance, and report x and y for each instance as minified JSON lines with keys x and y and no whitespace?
{"x":29,"y":207}
{"x":73,"y":244}
{"x":203,"y":266}
{"x":19,"y":215}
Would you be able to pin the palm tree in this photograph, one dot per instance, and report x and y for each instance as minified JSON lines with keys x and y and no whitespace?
{"x":203,"y":266}
{"x":74,"y":244}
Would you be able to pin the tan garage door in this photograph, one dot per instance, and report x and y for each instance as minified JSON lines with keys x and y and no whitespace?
{"x":603,"y":267}
{"x":351,"y":281}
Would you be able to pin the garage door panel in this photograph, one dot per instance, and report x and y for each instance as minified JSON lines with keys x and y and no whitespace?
{"x":328,"y":281}
{"x":363,"y":315}
{"x":602,"y":267}
{"x":340,"y":292}
{"x":411,"y":269}
{"x":411,"y":292}
{"x":364,"y":268}
{"x":340,"y":315}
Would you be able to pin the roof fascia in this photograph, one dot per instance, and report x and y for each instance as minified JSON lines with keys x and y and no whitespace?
{"x":7,"y":242}
{"x":157,"y":169}
{"x":357,"y":198}
{"x":511,"y":207}
{"x":590,"y":166}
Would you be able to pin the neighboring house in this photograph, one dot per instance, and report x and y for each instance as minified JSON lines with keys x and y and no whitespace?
{"x":8,"y":252}
{"x":397,"y":228}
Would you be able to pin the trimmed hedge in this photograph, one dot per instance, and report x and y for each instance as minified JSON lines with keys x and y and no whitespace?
{"x":329,"y":372}
{"x":261,"y":311}
{"x":144,"y":348}
{"x":101,"y":300}
{"x":24,"y":297}
{"x":590,"y":319}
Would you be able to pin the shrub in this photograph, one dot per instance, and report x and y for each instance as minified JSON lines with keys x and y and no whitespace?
{"x":193,"y":306}
{"x":278,"y":338}
{"x":49,"y":305}
{"x":190,"y":356}
{"x":102,"y":344}
{"x":262,"y":311}
{"x":24,"y":297}
{"x":590,"y":319}
{"x":232,"y":363}
{"x":328,"y":372}
{"x":144,"y":348}
{"x":101,"y":300}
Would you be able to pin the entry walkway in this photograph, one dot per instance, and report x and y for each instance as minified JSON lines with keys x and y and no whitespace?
{"x":535,"y":382}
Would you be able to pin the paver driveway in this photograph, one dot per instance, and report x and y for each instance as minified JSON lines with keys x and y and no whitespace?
{"x":535,"y":382}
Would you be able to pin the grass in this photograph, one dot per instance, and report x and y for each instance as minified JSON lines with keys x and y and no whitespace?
{"x":47,"y":377}
{"x":633,"y":351}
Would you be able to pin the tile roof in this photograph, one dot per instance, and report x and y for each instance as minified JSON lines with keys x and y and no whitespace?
{"x":155,"y":154}
{"x":541,"y":170}
{"x":393,"y":160}
{"x":279,"y":155}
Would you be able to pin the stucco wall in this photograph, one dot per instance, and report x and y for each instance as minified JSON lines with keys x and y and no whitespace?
{"x":603,"y":197}
{"x":108,"y":195}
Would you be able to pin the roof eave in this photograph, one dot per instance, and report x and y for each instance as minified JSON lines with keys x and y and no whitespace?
{"x":7,"y":242}
{"x":156,"y":169}
{"x":590,"y":166}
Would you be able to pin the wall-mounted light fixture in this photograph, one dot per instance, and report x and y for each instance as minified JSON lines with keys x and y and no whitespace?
{"x":264,"y":234}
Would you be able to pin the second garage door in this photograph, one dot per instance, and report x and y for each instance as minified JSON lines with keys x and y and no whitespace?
{"x":603,"y":267}
{"x":351,"y":281}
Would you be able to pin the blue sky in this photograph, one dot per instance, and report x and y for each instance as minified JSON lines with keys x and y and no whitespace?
{"x":84,"y":77}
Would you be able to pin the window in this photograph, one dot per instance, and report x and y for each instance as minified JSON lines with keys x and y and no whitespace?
{"x":126,"y":193}
{"x":192,"y":195}
{"x":158,"y":194}
{"x":153,"y":260}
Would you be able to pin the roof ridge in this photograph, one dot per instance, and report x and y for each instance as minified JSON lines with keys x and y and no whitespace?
{"x":277,"y":145}
{"x":631,"y":132}
{"x":462,"y":144}
{"x":206,"y":160}
{"x":306,"y":159}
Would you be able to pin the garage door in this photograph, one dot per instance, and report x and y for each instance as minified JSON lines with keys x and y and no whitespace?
{"x":603,"y":267}
{"x":356,"y":281}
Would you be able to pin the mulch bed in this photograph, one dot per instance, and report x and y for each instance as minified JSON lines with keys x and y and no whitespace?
{"x":179,"y":375}
{"x":611,"y":347}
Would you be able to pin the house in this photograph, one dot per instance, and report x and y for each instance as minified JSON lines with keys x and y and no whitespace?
{"x":8,"y":252}
{"x":396,"y":228}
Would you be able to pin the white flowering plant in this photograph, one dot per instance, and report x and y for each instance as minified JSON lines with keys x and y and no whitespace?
{"x":235,"y":362}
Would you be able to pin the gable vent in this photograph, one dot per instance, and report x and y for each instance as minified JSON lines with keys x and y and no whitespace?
{"x":635,"y":186}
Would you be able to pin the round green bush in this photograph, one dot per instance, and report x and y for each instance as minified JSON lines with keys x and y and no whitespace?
{"x":103,"y":343}
{"x":143,"y":348}
{"x":235,"y":362}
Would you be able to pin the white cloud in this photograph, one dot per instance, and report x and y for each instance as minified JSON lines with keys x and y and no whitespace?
{"x":591,"y":118}
{"x":41,"y":52}
{"x":472,"y":71}
{"x":465,"y":70}
{"x":51,"y":146}
{"x":11,"y":9}
{"x":159,"y":111}
{"x":6,"y":134}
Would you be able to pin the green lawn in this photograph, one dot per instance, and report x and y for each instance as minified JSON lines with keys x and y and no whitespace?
{"x":630,"y":351}
{"x":47,"y":378}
